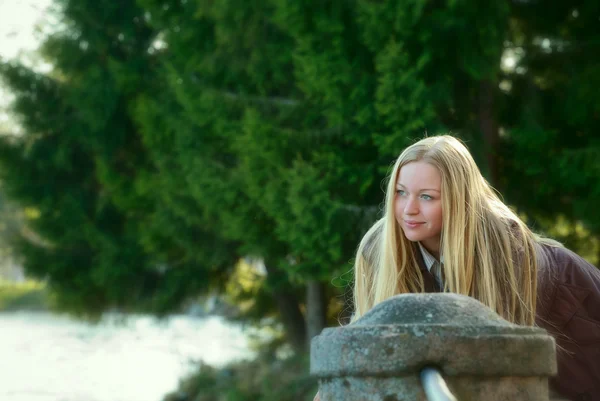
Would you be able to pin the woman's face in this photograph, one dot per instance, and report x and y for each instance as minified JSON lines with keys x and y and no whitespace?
{"x":418,"y":204}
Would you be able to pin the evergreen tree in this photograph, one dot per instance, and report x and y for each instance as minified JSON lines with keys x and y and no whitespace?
{"x":550,"y":111}
{"x":108,"y":242}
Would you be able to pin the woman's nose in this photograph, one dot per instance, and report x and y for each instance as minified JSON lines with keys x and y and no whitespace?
{"x":411,"y":207}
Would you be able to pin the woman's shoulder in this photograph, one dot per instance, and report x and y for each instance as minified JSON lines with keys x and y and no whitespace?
{"x":569,"y":282}
{"x":566,"y":265}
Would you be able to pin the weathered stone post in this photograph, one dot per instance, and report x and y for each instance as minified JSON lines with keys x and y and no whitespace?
{"x":481,"y":356}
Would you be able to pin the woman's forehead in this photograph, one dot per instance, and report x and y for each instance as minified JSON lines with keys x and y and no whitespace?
{"x":421,"y":175}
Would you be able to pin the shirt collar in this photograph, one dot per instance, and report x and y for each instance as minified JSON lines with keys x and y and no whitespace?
{"x":428,"y":258}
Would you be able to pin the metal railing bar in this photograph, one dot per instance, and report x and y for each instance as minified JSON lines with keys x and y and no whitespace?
{"x":435,"y":386}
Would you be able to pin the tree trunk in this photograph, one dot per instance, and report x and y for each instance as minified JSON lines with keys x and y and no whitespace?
{"x":288,"y":307}
{"x":316,"y":309}
{"x":489,"y":128}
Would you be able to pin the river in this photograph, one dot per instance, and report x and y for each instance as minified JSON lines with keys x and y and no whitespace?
{"x":48,"y":357}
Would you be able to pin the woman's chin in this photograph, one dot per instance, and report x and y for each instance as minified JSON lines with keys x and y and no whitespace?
{"x":412,"y":236}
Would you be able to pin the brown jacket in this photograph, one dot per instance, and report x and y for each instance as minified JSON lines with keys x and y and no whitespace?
{"x":568,"y":307}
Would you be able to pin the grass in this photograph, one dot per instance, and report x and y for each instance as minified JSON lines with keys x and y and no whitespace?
{"x":28,"y":295}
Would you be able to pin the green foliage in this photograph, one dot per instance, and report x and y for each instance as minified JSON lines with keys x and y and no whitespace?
{"x":108,"y":240}
{"x":551,"y":114}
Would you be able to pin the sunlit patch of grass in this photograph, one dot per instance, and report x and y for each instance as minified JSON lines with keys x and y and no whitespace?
{"x":573,"y":234}
{"x":27,"y":295}
{"x":266,"y":378}
{"x":576,"y":237}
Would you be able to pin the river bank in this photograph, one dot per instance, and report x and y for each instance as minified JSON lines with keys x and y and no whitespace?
{"x":49,"y":357}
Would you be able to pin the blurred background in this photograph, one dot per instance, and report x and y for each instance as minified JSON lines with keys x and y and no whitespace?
{"x":183,"y":183}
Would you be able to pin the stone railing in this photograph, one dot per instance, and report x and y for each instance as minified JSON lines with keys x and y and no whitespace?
{"x":426,"y":347}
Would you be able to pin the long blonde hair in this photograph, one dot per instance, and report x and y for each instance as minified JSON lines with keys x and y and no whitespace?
{"x":489,"y":253}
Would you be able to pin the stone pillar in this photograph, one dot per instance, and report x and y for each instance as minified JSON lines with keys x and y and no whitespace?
{"x":481,"y":356}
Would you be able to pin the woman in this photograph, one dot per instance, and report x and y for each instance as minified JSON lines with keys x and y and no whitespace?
{"x":445,"y":229}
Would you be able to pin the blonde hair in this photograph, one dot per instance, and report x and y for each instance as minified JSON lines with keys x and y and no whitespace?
{"x":489,"y":253}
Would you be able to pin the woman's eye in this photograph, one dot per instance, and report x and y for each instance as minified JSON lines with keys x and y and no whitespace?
{"x":400,"y":192}
{"x":426,"y":197}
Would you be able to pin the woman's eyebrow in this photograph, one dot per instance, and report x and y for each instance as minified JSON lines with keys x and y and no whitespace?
{"x":424,"y":189}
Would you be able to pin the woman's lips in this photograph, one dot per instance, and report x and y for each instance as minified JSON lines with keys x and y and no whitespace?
{"x":413,"y":224}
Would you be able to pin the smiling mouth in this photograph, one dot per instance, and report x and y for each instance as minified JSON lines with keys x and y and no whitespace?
{"x":413,"y":223}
